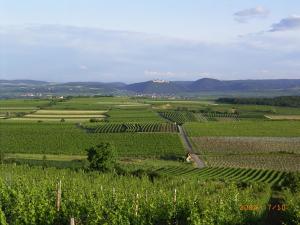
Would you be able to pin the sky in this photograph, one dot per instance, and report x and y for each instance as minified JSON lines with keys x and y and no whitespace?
{"x":138,"y":40}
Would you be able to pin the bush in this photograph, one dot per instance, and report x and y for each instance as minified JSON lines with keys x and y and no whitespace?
{"x":101,"y":157}
{"x":292,"y":181}
{"x":94,"y":120}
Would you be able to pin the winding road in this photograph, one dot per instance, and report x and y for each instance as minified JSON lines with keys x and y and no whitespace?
{"x":189,"y":148}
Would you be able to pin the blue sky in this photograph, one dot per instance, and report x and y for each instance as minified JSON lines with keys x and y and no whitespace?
{"x":139,"y":40}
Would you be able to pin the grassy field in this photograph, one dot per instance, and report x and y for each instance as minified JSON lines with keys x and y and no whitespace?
{"x":23,"y":103}
{"x":98,"y":103}
{"x":136,"y":115}
{"x":244,"y":128}
{"x":61,"y":138}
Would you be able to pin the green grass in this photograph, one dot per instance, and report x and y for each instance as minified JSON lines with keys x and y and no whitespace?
{"x":22,"y":103}
{"x":245,"y":128}
{"x":97,"y":103}
{"x":64,"y":138}
{"x":136,"y":115}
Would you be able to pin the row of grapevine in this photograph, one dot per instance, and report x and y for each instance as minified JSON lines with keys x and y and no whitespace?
{"x":280,"y":162}
{"x":221,"y":116}
{"x":30,"y":196}
{"x":235,"y":174}
{"x":131,"y":127}
{"x":185,"y":116}
{"x":178,"y":117}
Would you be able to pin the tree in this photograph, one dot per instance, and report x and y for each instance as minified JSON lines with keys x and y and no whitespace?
{"x":101,"y":157}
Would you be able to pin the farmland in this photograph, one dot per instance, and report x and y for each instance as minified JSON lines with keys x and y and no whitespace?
{"x":245,"y":128}
{"x":61,"y":138}
{"x":247,"y":145}
{"x":131,"y":127}
{"x":106,"y":193}
{"x":247,"y":156}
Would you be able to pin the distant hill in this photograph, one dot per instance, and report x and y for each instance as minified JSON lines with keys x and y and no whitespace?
{"x":204,"y":86}
{"x":151,"y":87}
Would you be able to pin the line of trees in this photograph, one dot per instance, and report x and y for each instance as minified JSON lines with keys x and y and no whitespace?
{"x":290,"y":101}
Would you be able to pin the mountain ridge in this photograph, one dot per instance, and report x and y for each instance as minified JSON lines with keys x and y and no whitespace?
{"x":158,"y":87}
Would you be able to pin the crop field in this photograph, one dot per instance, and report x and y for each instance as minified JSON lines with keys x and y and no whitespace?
{"x":178,"y":117}
{"x":247,"y":156}
{"x":65,"y":138}
{"x":134,"y":115}
{"x":131,"y":127}
{"x":229,"y":174}
{"x":98,"y":103}
{"x":23,"y":103}
{"x":280,"y":162}
{"x":283,"y":117}
{"x":244,"y":128}
{"x":105,"y":198}
{"x":246,"y":145}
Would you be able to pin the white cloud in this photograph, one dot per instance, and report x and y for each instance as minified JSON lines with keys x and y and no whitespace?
{"x":246,"y":15}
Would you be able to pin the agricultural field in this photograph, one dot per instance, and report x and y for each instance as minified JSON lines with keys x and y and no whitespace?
{"x":271,"y":177}
{"x":130,"y":127}
{"x":244,"y":128}
{"x":247,"y":159}
{"x":283,"y":117}
{"x":134,"y":115}
{"x":246,"y":145}
{"x":65,"y":138}
{"x":98,"y":103}
{"x":144,"y":202}
{"x":279,"y":162}
{"x":178,"y":117}
{"x":65,"y":115}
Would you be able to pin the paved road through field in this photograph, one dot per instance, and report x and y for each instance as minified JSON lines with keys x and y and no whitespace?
{"x":189,"y":147}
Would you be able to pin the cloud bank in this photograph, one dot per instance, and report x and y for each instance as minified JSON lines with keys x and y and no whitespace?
{"x":67,"y":53}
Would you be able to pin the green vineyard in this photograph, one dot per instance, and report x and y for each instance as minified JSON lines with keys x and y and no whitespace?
{"x":29,"y":196}
{"x":234,"y":174}
{"x":178,"y":117}
{"x":181,"y":117}
{"x":212,"y":116}
{"x":131,"y":127}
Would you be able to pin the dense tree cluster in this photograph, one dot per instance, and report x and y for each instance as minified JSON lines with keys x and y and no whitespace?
{"x":291,"y":101}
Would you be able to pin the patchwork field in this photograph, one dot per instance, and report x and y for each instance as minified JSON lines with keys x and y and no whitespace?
{"x":246,"y":154}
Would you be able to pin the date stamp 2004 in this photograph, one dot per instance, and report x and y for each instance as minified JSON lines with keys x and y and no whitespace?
{"x":270,"y":207}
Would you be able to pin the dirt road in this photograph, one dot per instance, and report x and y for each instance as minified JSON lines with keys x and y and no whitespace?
{"x":189,"y":147}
